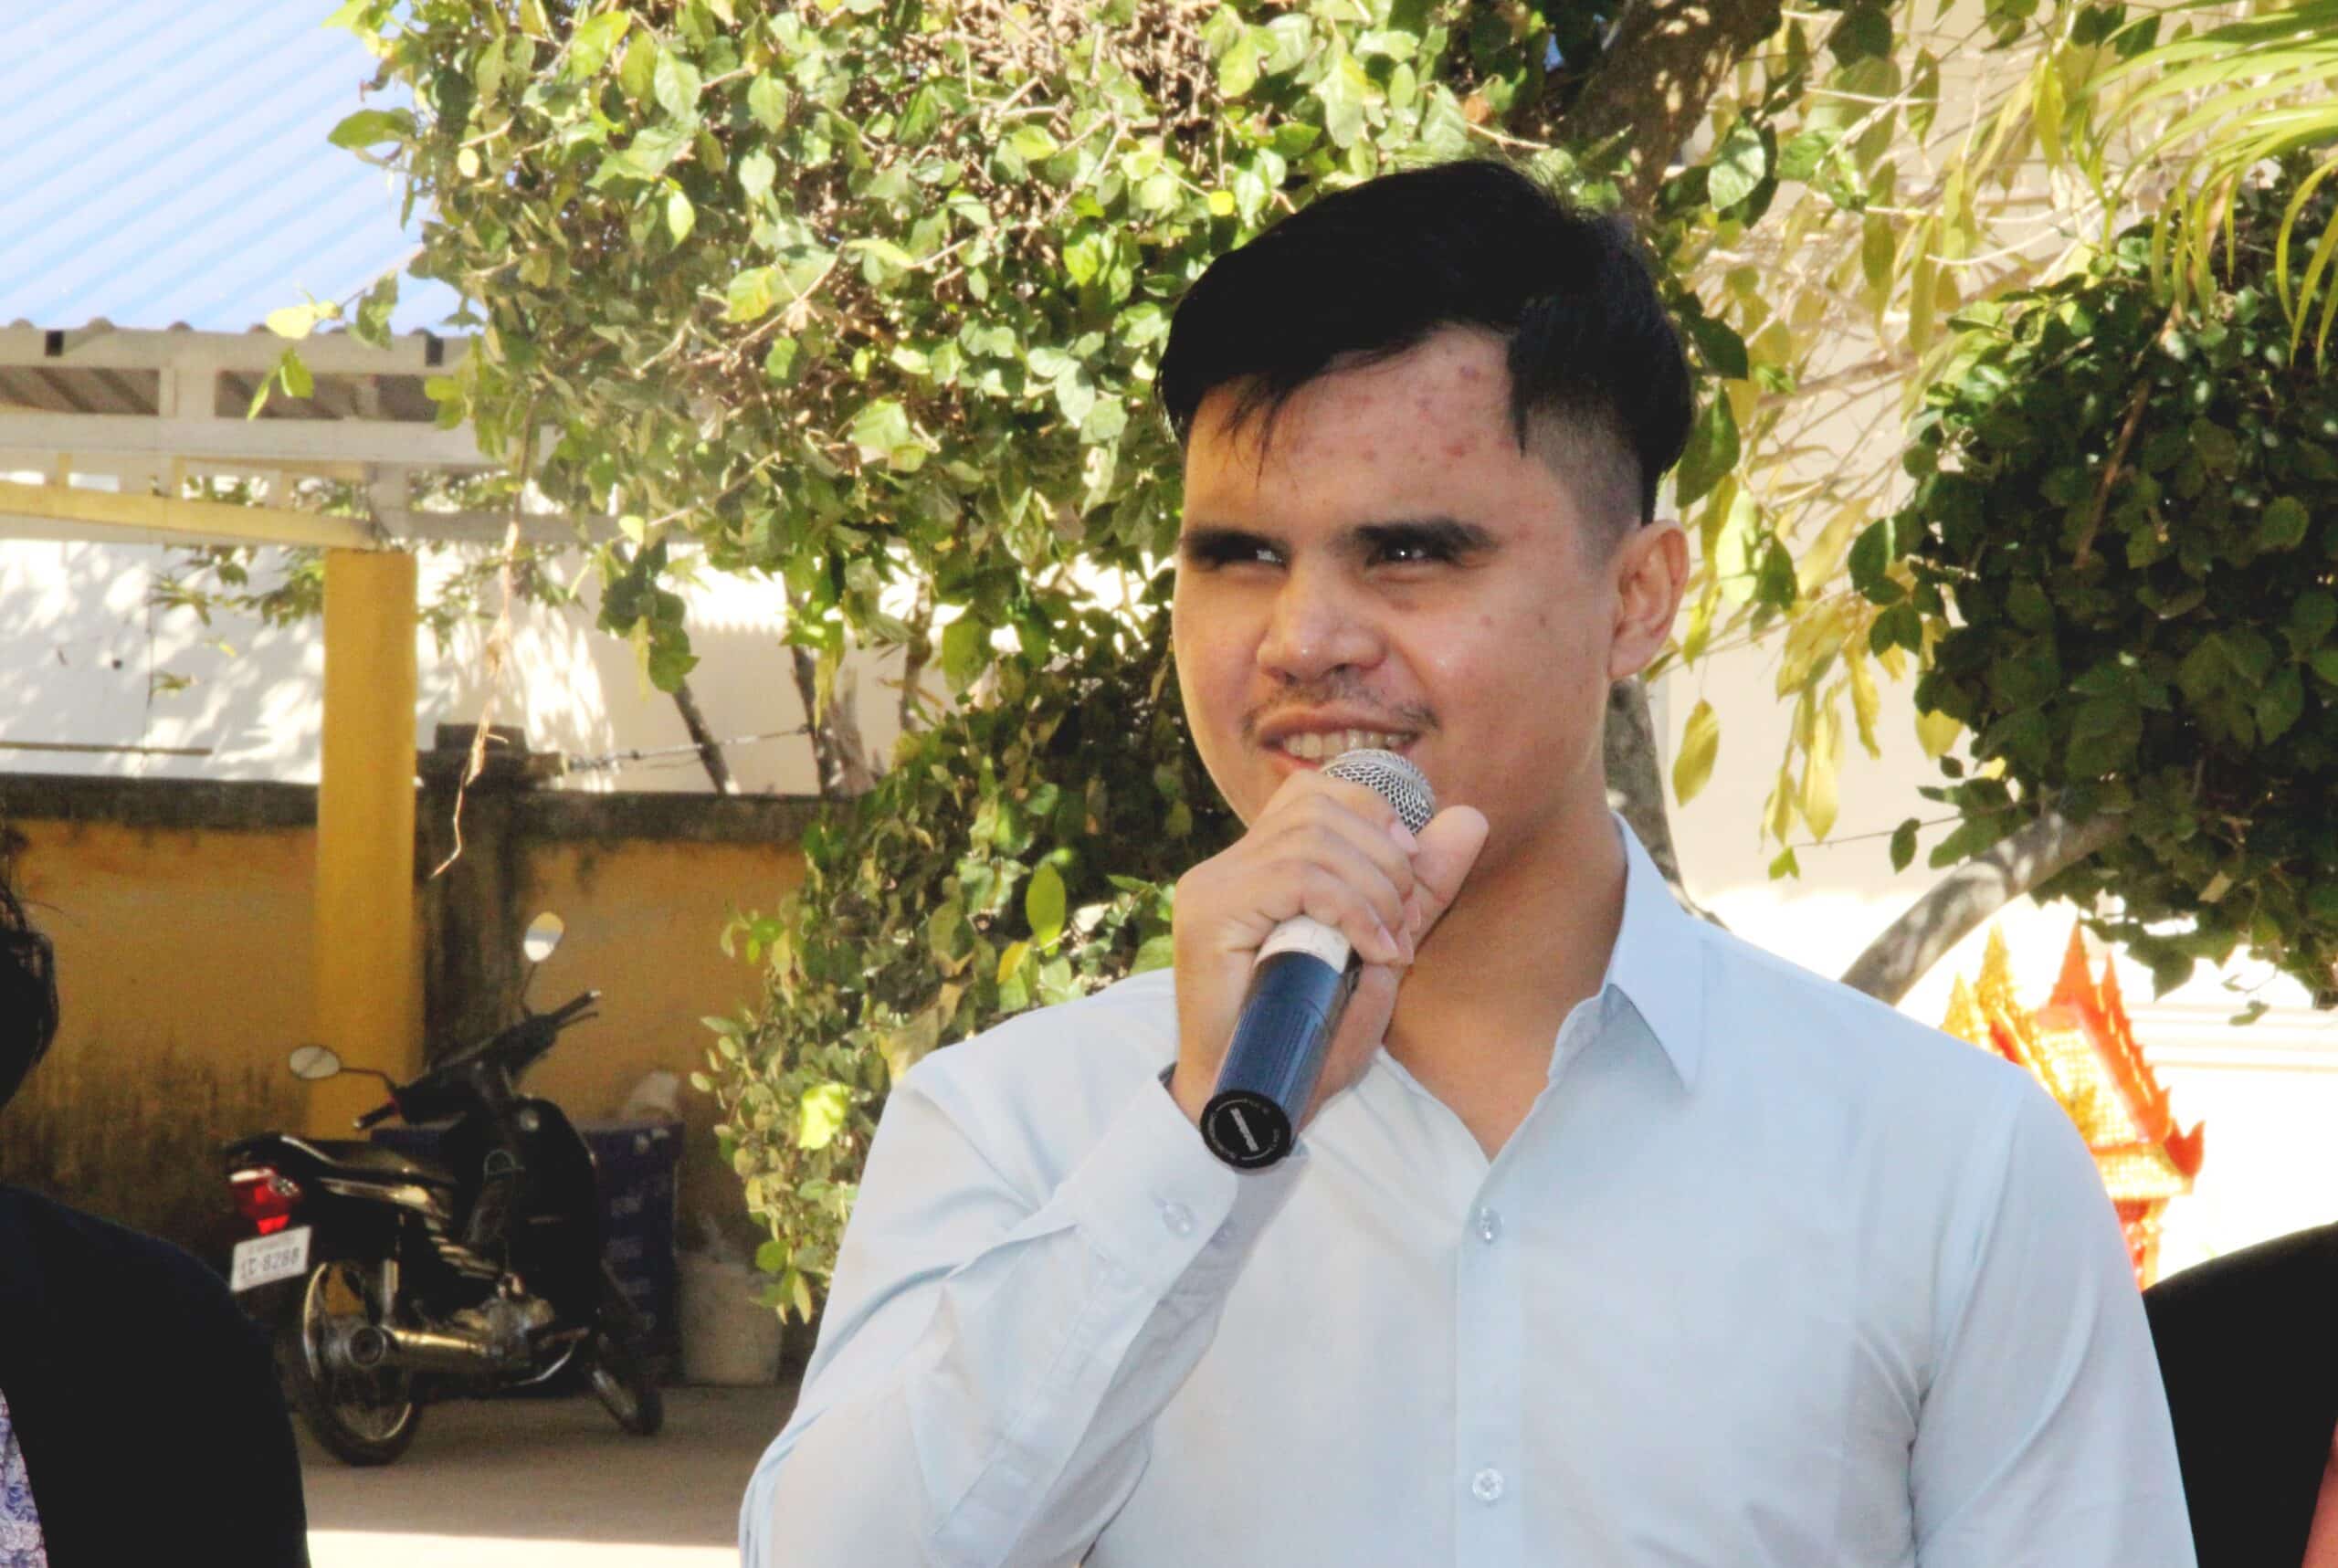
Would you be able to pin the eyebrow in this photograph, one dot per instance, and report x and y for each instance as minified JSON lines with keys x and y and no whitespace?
{"x":1445,"y":535}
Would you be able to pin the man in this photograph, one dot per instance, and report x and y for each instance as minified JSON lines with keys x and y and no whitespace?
{"x":2247,"y":1349}
{"x":1612,"y":1240}
{"x":140,"y":1420}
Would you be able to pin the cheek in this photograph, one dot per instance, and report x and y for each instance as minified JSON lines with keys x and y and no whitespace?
{"x":1211,"y":666}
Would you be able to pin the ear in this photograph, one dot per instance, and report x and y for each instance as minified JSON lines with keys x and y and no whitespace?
{"x":1651,"y":570}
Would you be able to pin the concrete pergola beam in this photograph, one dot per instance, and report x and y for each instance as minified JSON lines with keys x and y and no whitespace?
{"x":101,"y":346}
{"x":265,"y":443}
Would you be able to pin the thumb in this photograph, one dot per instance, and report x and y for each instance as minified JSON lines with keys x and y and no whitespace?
{"x":1448,"y":848}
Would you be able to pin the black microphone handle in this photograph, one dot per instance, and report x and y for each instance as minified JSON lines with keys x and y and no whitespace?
{"x":1288,"y":1017}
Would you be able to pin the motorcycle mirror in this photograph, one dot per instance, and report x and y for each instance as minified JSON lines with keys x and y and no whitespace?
{"x":544,"y":935}
{"x":312,"y":1063}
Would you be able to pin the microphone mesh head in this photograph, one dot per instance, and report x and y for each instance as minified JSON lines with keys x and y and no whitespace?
{"x":1390,"y":777}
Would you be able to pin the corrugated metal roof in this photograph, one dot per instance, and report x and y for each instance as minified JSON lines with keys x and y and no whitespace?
{"x":165,"y":162}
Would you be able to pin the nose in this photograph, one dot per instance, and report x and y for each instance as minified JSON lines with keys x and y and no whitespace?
{"x":1317,"y":626}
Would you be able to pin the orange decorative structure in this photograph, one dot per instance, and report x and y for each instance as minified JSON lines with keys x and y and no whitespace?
{"x":2081,"y":1047}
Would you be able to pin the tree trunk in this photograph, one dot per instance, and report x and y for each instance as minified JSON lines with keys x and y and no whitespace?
{"x":1979,"y":888}
{"x":915,"y":658}
{"x":1653,"y":82}
{"x":710,"y":749}
{"x":838,"y":751}
{"x":1636,"y":785}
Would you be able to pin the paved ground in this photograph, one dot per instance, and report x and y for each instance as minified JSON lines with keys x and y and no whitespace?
{"x":519,"y":1483}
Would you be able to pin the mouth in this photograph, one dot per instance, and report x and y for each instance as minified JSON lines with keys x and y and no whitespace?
{"x":1317,"y":746}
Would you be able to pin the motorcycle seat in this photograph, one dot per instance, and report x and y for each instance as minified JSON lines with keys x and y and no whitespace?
{"x":364,"y":1161}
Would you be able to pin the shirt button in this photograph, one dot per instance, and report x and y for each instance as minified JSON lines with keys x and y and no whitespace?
{"x":1486,"y":1485}
{"x":1178,"y":1219}
{"x":1487,"y":1227}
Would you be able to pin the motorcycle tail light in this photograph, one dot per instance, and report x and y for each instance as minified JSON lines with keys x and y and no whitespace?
{"x":265,"y":1198}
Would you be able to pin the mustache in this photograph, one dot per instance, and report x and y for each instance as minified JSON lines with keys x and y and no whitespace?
{"x":1411,"y":717}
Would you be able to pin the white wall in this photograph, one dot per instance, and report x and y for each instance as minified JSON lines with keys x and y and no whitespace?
{"x":81,"y":651}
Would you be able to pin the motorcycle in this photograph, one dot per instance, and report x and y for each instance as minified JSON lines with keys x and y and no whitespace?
{"x":392,"y":1280}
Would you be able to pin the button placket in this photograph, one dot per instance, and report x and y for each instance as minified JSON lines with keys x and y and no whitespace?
{"x":1491,"y":1365}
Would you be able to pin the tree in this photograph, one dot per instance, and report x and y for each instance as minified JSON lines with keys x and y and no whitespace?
{"x":866,"y":295}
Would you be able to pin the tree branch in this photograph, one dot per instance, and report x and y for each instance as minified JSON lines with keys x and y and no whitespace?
{"x":710,"y":749}
{"x":1666,"y":62}
{"x":1979,"y":888}
{"x":838,"y":754}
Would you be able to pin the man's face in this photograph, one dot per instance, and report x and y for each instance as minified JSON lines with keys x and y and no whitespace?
{"x":1397,"y":570}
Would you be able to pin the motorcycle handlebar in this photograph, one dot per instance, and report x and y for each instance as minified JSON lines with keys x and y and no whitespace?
{"x":376,"y":1116}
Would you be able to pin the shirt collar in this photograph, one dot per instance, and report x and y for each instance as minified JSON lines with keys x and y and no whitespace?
{"x":1657,"y":963}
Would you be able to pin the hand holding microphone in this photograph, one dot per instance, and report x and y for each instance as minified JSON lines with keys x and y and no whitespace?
{"x":1264,"y":1039}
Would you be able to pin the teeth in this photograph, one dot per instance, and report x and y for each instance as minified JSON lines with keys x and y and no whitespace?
{"x":1315,"y":746}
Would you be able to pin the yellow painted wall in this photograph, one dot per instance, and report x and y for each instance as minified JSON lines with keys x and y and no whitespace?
{"x":183,"y":977}
{"x":643,"y":919}
{"x":184,"y":974}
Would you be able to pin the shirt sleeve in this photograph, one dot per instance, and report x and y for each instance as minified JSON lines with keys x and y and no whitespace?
{"x":2043,"y":1440}
{"x":990,"y":1359}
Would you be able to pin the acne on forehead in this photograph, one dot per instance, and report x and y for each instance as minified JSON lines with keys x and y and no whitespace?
{"x":1400,"y":433}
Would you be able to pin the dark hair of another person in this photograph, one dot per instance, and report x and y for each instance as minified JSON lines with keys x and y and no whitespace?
{"x":27,"y":994}
{"x":1371,"y":271}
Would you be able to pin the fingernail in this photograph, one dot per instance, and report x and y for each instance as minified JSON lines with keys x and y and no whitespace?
{"x":1391,"y":951}
{"x":1404,"y":837}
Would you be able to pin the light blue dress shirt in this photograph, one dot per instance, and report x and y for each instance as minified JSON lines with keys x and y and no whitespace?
{"x":1770,"y":1275}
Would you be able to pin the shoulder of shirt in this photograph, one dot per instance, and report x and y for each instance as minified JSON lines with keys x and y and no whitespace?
{"x":83,"y":1262}
{"x":1822,"y":1024}
{"x":1107,"y":1040}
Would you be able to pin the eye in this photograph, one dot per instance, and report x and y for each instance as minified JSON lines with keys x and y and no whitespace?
{"x":1413,"y":553}
{"x":1212,"y":551}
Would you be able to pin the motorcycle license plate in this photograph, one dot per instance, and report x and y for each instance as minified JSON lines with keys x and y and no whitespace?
{"x":266,"y":1258}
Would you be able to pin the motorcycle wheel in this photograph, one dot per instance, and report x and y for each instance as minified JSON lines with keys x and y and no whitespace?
{"x":617,"y":1366}
{"x":361,"y":1417}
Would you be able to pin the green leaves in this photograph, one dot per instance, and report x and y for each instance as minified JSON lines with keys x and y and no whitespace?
{"x":370,"y":127}
{"x":1903,"y":844}
{"x":767,"y":101}
{"x":756,"y":171}
{"x":965,"y":651}
{"x":1700,"y":746}
{"x":1043,"y":905}
{"x":1345,"y":91}
{"x":1712,"y":451}
{"x":650,"y":153}
{"x":882,"y":433}
{"x":1739,"y":165}
{"x":1864,"y":32}
{"x":2204,"y":709}
{"x":676,"y":83}
{"x":595,"y":38}
{"x":2283,"y":526}
{"x":820,"y":1115}
{"x":752,"y":294}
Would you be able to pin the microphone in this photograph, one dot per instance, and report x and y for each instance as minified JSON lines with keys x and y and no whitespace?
{"x":1299,"y":985}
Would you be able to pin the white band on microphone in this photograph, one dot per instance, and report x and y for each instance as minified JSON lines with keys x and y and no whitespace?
{"x":1303,"y":934}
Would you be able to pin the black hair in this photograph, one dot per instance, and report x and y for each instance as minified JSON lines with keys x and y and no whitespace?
{"x":1368,"y":272}
{"x":27,"y":992}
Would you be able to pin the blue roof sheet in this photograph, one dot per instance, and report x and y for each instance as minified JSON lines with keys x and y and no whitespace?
{"x":164,"y":163}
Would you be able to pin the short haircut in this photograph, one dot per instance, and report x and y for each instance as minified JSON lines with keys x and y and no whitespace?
{"x":1371,"y":271}
{"x":27,"y":992}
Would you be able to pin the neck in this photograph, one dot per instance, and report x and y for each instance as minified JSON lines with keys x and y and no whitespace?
{"x":1528,"y":938}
